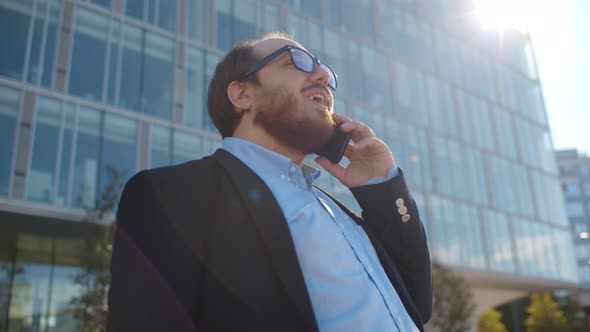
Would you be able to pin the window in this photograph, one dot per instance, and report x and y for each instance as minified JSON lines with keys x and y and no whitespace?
{"x":404,"y":35}
{"x":572,"y":189}
{"x":535,"y":146}
{"x":147,"y":72}
{"x":476,"y":120}
{"x":411,"y":93}
{"x":505,"y":140}
{"x":195,"y":83}
{"x":345,"y":13}
{"x":195,"y":19}
{"x":311,"y":7}
{"x":499,"y":242}
{"x":510,"y":186}
{"x":159,"y":13}
{"x":89,"y":46}
{"x":460,"y":170}
{"x":238,"y":20}
{"x":24,"y":34}
{"x":521,"y":95}
{"x":457,"y":232}
{"x":9,"y":106}
{"x":574,"y":209}
{"x":548,"y":198}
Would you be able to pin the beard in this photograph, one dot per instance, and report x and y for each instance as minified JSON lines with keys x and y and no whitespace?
{"x":283,"y":117}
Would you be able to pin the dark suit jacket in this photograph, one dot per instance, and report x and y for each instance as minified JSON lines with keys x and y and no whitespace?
{"x":204,"y":246}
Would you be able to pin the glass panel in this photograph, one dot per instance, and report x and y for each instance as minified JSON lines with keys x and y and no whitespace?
{"x":89,"y":46}
{"x":41,"y":179}
{"x":345,"y":13}
{"x":210,"y":63}
{"x":186,"y":147}
{"x":457,"y":233}
{"x":86,"y":163}
{"x":499,"y":242}
{"x":244,"y":19}
{"x":160,"y":146}
{"x":439,"y":98}
{"x":510,"y":187}
{"x":43,"y":45}
{"x":311,"y":7}
{"x":147,"y":73}
{"x":405,"y":36}
{"x":376,"y":81}
{"x":15,"y":16}
{"x":9,"y":105}
{"x":506,"y":142}
{"x":30,"y":289}
{"x":194,"y":88}
{"x":475,"y":117}
{"x":195,"y":19}
{"x":412,"y":95}
{"x":117,"y":159}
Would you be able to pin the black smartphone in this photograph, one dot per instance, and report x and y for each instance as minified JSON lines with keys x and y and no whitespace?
{"x":335,"y":147}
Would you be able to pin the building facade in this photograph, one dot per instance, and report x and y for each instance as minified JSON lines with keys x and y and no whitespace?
{"x":90,"y":86}
{"x":574,"y":169}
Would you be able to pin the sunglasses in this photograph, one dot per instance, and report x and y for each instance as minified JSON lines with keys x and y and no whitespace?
{"x":302,"y":60}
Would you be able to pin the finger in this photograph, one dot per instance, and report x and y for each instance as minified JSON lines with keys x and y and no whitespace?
{"x":339,"y":118}
{"x":359,"y":130}
{"x":335,"y":169}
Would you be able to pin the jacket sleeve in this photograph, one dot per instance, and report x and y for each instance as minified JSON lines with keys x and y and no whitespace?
{"x":391,"y":215}
{"x":154,"y":277}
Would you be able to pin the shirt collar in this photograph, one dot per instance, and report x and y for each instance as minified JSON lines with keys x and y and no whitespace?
{"x":270,"y":165}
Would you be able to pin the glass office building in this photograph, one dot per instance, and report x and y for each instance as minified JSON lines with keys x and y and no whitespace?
{"x":574,"y":168}
{"x":92,"y":85}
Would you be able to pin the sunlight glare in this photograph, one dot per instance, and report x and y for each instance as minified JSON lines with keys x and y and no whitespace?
{"x":504,"y":14}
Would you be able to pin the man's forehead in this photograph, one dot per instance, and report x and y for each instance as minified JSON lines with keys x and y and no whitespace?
{"x":267,"y":46}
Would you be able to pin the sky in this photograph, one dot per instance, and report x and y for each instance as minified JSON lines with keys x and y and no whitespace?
{"x":560,"y":33}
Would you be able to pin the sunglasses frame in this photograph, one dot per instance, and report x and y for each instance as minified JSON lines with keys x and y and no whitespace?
{"x":289,"y":48}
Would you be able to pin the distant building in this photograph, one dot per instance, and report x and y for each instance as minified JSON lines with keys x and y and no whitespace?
{"x":574,"y":169}
{"x":91,"y":84}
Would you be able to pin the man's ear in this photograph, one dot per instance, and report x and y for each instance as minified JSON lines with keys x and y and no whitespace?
{"x":239,"y":95}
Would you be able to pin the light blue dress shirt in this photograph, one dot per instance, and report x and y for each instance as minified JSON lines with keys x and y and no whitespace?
{"x":348,"y":288}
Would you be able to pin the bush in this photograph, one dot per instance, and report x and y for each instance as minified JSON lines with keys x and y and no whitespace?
{"x":490,"y":321}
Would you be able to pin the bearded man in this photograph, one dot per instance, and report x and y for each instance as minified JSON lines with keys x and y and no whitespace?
{"x":242,"y":240}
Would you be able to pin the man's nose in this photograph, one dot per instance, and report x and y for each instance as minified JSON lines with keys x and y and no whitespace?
{"x":320,"y":74}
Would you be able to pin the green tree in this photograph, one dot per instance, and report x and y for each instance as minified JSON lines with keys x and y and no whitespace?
{"x":453,"y":302}
{"x":90,"y":307}
{"x":491,"y":321}
{"x":544,"y":315}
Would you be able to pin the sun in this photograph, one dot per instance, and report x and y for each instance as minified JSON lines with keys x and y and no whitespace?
{"x":505,"y":15}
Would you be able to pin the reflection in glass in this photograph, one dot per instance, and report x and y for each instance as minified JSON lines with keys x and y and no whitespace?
{"x":160,"y":146}
{"x":89,"y":46}
{"x":15,"y":16}
{"x":195,"y":19}
{"x":160,"y":13}
{"x":43,"y":45}
{"x":344,"y":14}
{"x":186,"y":147}
{"x":238,"y":20}
{"x":86,"y":164}
{"x":499,"y":242}
{"x":195,"y":88}
{"x":147,"y":72}
{"x":9,"y":103}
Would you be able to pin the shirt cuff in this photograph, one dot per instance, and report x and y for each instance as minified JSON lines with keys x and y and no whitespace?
{"x":393,"y":172}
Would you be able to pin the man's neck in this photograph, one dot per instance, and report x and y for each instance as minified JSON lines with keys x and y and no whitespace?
{"x":259,"y":136}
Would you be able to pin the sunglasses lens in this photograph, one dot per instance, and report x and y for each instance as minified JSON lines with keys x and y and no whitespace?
{"x":302,"y":60}
{"x":332,"y":80}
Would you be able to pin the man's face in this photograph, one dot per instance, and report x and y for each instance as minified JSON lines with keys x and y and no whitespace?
{"x":293,"y":106}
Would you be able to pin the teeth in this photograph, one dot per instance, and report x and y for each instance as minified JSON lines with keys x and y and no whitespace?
{"x":319,"y":98}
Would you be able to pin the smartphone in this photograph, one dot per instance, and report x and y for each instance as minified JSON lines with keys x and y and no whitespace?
{"x":335,"y":147}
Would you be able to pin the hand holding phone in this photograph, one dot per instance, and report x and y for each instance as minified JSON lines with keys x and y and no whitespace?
{"x":335,"y":147}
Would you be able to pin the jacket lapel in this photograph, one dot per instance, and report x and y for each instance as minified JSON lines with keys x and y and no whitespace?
{"x":274,"y":231}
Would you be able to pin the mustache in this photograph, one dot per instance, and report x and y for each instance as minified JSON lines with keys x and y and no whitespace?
{"x":316,"y":86}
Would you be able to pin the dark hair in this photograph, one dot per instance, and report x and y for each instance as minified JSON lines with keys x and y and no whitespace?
{"x":223,"y":113}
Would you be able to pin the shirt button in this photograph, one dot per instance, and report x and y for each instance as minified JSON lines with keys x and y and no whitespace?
{"x":370,"y":270}
{"x":293,"y":169}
